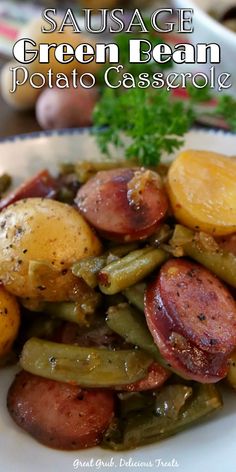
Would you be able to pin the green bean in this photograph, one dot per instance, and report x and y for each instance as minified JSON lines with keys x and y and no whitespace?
{"x":76,"y":312}
{"x":171,"y":399}
{"x":231,"y":376}
{"x":66,"y":168}
{"x":176,"y":407}
{"x":5,"y":183}
{"x":86,"y":170}
{"x":82,"y":314}
{"x":134,"y":401}
{"x":144,"y":429}
{"x":87,"y":367}
{"x":162,"y":235}
{"x":121,"y":251}
{"x":221,"y":263}
{"x":130,"y":270}
{"x":165,"y":402}
{"x":131,"y":325}
{"x":135,"y":295}
{"x":89,"y":268}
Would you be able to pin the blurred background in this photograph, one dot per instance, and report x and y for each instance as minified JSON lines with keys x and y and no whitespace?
{"x":29,"y":111}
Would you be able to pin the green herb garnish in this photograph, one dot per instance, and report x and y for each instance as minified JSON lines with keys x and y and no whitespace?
{"x":153,"y":122}
{"x":148,"y":122}
{"x":227,"y":109}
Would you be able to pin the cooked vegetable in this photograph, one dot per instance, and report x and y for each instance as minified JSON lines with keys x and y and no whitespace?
{"x":131,"y":325}
{"x":155,"y":378}
{"x":104,"y":367}
{"x":24,"y":98}
{"x":219,"y":261}
{"x":9,"y":321}
{"x":87,"y":367}
{"x":192,"y":318}
{"x":167,"y":401}
{"x":66,"y":108}
{"x":71,"y":418}
{"x":89,"y":268}
{"x":41,"y":185}
{"x":40,"y":240}
{"x":176,"y":407}
{"x":5,"y":183}
{"x":80,"y":312}
{"x":228,"y":243}
{"x":162,"y":235}
{"x":135,"y":295}
{"x":124,"y":204}
{"x":87,"y":169}
{"x":129,"y":270}
{"x":201,"y":186}
{"x":231,"y":376}
{"x":133,"y":401}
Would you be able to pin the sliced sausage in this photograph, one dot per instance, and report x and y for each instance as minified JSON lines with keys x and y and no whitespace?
{"x":156,"y":377}
{"x":59,"y":415}
{"x":192,"y":318}
{"x":123,"y":204}
{"x":41,"y":185}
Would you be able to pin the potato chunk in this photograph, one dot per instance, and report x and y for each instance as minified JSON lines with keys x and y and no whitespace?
{"x":40,"y":239}
{"x":9,"y":321}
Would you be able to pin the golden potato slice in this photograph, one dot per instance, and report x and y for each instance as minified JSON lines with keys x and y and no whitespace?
{"x":202,"y":190}
{"x":9,"y":320}
{"x":40,"y":239}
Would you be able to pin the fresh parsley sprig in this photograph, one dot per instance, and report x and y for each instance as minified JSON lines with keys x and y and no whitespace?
{"x":154,"y":123}
{"x":227,"y":109}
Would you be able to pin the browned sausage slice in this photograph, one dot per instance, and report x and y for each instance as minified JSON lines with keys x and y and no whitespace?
{"x":41,"y":185}
{"x":192,"y":318}
{"x":59,"y":415}
{"x":123,"y":204}
{"x":156,"y":377}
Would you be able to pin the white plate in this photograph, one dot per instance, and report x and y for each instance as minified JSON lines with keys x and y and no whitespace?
{"x":209,"y":446}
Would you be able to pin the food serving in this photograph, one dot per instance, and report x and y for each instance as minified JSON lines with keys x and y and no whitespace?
{"x":117,"y":298}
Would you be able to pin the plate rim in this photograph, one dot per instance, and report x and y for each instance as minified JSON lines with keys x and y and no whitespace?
{"x":44,"y":133}
{"x":78,"y":131}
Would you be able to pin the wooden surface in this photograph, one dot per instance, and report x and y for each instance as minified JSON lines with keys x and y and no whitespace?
{"x":13,"y":122}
